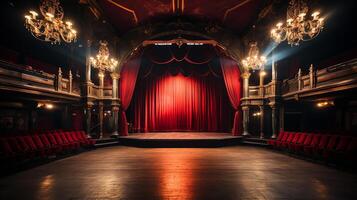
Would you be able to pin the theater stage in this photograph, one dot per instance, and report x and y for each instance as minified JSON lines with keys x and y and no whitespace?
{"x":180,"y":139}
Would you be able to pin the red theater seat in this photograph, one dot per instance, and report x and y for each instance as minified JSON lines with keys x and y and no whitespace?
{"x":83,"y":137}
{"x":6,"y":148}
{"x":60,"y":142}
{"x":300,"y":140}
{"x":342,"y":144}
{"x":299,"y":148}
{"x":71,"y":140}
{"x":308,"y":149}
{"x":284,"y":139}
{"x":272,"y":142}
{"x":292,"y":139}
{"x":324,"y":141}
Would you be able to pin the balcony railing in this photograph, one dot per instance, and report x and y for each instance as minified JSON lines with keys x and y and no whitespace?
{"x":343,"y":74}
{"x":14,"y":77}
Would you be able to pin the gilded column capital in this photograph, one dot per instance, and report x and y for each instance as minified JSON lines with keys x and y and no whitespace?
{"x":115,"y":75}
{"x":245,"y":75}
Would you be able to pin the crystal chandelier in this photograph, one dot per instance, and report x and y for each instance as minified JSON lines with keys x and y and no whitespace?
{"x":297,"y":27}
{"x":102,"y":60}
{"x":254,"y":61}
{"x":50,"y":28}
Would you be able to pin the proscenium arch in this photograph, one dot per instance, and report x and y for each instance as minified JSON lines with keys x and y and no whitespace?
{"x":133,"y":41}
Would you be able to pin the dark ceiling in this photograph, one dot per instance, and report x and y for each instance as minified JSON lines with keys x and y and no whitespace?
{"x":236,"y":15}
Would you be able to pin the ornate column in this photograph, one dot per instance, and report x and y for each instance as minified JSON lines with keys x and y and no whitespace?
{"x":115,"y":104}
{"x":312,"y":76}
{"x":245,"y":109}
{"x":282,"y":118}
{"x":300,"y":83}
{"x":59,"y":79}
{"x":88,"y":118}
{"x":274,"y":120}
{"x":261,"y":83}
{"x":115,"y":111}
{"x":101,"y":118}
{"x":70,"y":78}
{"x":101,"y":83}
{"x":88,"y":65}
{"x":115,"y":78}
{"x":245,"y":77}
{"x":261,"y":110}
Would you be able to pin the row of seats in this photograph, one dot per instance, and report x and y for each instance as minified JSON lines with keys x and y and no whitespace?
{"x":331,"y":148}
{"x":43,"y":145}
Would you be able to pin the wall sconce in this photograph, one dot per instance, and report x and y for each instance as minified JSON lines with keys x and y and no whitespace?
{"x":257,"y":114}
{"x":324,"y":104}
{"x":48,"y":106}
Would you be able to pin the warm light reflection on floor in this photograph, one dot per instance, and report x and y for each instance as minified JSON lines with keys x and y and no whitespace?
{"x":46,"y":185}
{"x":176,"y":176}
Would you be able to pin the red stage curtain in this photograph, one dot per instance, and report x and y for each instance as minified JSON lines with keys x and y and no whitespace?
{"x":127,"y":82}
{"x":231,"y":75}
{"x":167,"y":102}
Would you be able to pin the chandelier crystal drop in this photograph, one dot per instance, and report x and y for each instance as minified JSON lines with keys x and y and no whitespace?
{"x":103,"y":61}
{"x":298,"y":28}
{"x":50,"y":27}
{"x":254,"y":61}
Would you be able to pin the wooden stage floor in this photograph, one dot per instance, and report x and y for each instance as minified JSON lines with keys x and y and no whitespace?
{"x":227,"y":173}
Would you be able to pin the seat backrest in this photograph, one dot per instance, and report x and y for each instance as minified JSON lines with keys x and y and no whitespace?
{"x":45,"y":140}
{"x":5,"y":146}
{"x":352,"y":147}
{"x":308,"y":139}
{"x":285,"y":137}
{"x":58,"y":138}
{"x":332,"y":142}
{"x":74,"y":136}
{"x":83,"y":134}
{"x":301,"y":138}
{"x":51,"y":137}
{"x":38,"y":141}
{"x":343,"y":143}
{"x":315,"y":140}
{"x":15,"y":145}
{"x":23,"y":143}
{"x":69,"y":137}
{"x":64,"y":138}
{"x":291,"y":137}
{"x":281,"y":134}
{"x":323,"y":141}
{"x":296,"y":137}
{"x":30,"y":142}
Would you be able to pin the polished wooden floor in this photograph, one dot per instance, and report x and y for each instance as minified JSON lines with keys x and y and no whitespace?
{"x":239,"y":172}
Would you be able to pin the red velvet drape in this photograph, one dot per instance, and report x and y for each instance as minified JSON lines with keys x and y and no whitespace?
{"x":169,"y":102}
{"x":231,"y":75}
{"x":127,"y":82}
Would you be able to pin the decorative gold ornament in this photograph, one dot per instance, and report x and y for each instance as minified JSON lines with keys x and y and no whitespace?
{"x":254,"y":61}
{"x":51,"y":28}
{"x":103,"y":61}
{"x":297,"y":27}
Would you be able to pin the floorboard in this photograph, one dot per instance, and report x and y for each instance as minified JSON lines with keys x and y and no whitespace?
{"x":239,"y":172}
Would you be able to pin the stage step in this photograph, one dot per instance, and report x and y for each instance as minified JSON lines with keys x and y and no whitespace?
{"x":104,"y":142}
{"x":256,"y":141}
